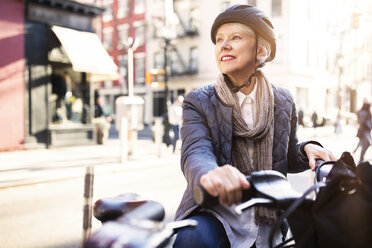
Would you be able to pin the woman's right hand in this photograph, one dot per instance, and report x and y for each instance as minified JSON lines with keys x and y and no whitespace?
{"x":226,"y":183}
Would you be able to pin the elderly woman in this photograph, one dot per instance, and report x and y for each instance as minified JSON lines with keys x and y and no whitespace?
{"x":238,"y":125}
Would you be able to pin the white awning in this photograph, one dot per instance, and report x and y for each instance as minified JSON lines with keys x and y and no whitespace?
{"x":86,"y":53}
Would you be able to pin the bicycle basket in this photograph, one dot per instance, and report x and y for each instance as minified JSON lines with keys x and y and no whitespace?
{"x":341,"y":215}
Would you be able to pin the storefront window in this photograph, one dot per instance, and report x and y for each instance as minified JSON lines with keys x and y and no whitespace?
{"x":69,"y":101}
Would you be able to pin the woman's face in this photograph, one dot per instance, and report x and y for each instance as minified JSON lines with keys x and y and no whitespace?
{"x":235,"y":51}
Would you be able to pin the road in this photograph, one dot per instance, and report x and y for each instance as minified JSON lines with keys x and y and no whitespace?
{"x":50,"y":214}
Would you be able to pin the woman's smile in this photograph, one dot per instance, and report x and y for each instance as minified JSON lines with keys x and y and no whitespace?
{"x":227,"y":58}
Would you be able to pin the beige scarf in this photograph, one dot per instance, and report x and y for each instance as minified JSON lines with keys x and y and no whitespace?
{"x":262,"y":134}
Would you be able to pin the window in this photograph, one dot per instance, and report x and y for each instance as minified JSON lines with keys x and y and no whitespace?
{"x":159,"y":60}
{"x":194,"y":19}
{"x":252,"y":2}
{"x":140,"y":33}
{"x":225,"y":5}
{"x":193,"y":63}
{"x":107,"y":38}
{"x":276,"y":8}
{"x":123,"y":8}
{"x":123,"y":33}
{"x":139,"y":67}
{"x":107,"y":5}
{"x":175,"y":65}
{"x":139,"y":6}
{"x":123,"y":70}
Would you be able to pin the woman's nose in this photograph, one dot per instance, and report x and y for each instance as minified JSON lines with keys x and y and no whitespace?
{"x":225,"y":45}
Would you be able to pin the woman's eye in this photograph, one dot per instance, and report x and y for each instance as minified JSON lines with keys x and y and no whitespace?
{"x":218,"y":40}
{"x":235,"y":37}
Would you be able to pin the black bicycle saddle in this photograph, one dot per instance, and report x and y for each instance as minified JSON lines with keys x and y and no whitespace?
{"x":111,"y":208}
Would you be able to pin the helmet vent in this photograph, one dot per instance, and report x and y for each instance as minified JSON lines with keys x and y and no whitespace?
{"x":268,"y":22}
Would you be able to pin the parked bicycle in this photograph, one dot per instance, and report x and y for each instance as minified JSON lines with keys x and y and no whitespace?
{"x":340,"y":214}
{"x":130,"y":221}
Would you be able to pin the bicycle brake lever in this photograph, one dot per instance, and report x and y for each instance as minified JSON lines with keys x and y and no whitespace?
{"x":254,"y":201}
{"x":181,"y":224}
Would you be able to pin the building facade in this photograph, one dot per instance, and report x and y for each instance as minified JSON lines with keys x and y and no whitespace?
{"x":323,"y":58}
{"x":12,"y":66}
{"x":55,"y":60}
{"x":122,"y":26}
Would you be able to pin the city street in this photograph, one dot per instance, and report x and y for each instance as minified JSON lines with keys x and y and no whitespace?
{"x":73,"y":73}
{"x":42,"y":196}
{"x":49,"y":214}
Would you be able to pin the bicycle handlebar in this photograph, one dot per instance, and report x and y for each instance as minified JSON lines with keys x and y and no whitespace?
{"x":268,"y":187}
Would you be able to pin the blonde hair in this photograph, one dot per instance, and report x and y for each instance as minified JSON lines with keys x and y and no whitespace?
{"x":261,"y":42}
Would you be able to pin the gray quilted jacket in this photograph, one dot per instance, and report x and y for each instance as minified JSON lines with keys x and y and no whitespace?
{"x":207,"y":138}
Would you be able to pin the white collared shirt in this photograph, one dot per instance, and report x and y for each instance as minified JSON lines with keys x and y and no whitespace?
{"x":247,"y":105}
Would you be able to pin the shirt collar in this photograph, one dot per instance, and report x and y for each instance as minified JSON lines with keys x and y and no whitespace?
{"x":241,"y":96}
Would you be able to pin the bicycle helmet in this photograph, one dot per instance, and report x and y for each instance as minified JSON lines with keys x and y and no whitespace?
{"x":251,"y":16}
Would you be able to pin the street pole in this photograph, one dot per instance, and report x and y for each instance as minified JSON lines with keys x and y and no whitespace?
{"x":127,"y":108}
{"x":166,"y":137}
{"x":131,"y":47}
{"x":167,"y":41}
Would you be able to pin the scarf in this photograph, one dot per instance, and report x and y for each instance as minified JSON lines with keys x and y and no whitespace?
{"x":262,"y":134}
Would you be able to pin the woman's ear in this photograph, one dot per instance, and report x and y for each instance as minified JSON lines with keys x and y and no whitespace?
{"x":262,"y":53}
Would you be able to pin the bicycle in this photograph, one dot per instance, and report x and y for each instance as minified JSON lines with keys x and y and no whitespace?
{"x":141,"y":226}
{"x":340,"y":215}
{"x":130,"y":221}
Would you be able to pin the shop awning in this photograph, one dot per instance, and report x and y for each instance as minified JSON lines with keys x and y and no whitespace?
{"x":86,"y":53}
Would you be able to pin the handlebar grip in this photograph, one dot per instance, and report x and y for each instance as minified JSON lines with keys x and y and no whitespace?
{"x":322,"y":171}
{"x":203,"y":198}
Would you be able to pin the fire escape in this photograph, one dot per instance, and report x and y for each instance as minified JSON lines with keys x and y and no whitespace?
{"x":187,"y":28}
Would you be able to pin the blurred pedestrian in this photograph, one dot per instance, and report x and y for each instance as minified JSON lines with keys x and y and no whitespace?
{"x":301,"y":118}
{"x":314,"y":119}
{"x":101,"y":120}
{"x":364,"y":129}
{"x":175,"y":120}
{"x":338,"y":126}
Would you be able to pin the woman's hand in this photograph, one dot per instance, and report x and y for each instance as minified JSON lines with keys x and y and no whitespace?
{"x":315,"y":152}
{"x":226,"y":183}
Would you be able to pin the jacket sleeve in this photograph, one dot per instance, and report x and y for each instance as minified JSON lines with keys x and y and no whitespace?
{"x":197,"y":156}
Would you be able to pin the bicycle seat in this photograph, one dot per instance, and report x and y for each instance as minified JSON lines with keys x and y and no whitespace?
{"x":273,"y":185}
{"x":111,"y":208}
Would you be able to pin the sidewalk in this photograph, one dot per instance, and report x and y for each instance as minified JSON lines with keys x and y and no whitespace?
{"x":33,"y":166}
